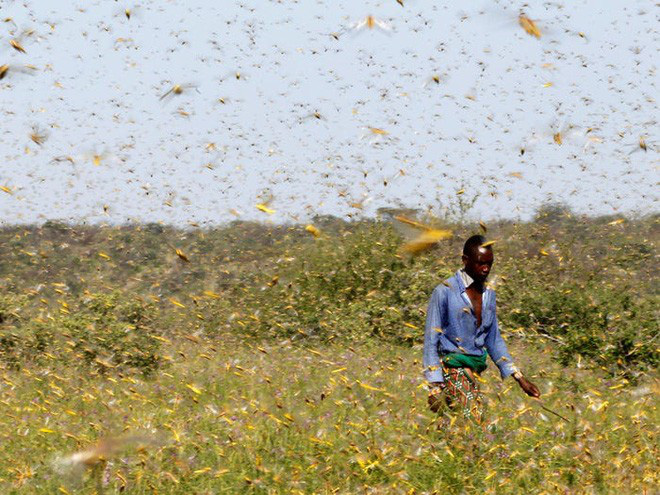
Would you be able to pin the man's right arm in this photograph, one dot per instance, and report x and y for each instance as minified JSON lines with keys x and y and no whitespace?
{"x":432,"y":332}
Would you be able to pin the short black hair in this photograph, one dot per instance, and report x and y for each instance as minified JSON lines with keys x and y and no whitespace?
{"x":473,"y":243}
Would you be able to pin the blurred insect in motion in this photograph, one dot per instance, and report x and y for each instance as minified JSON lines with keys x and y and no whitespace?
{"x":400,"y":173}
{"x":642,"y":144}
{"x":314,"y":115}
{"x":178,"y":89}
{"x":99,"y":157}
{"x":377,"y":134}
{"x":182,"y":256}
{"x":521,"y":19}
{"x":38,"y":136}
{"x":528,"y":144}
{"x":590,"y":139}
{"x":16,"y":45}
{"x":560,"y":132}
{"x":129,"y":12}
{"x":182,"y":112}
{"x":360,"y":204}
{"x":419,"y":242}
{"x":433,"y":79}
{"x":73,"y":466}
{"x":17,"y":41}
{"x":63,"y":158}
{"x":264,"y":208}
{"x":313,"y":230}
{"x":529,"y":26}
{"x":264,"y":204}
{"x":237,"y":75}
{"x":370,"y":22}
{"x":7,"y":69}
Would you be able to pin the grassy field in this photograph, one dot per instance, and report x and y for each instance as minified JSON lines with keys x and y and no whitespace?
{"x":263,"y":360}
{"x":227,"y":417}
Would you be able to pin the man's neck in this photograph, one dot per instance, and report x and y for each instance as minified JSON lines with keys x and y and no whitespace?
{"x":476,"y":286}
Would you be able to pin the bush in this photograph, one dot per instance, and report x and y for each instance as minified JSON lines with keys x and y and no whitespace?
{"x":105,"y":332}
{"x":612,"y":329}
{"x":10,"y":342}
{"x":10,"y":307}
{"x":552,"y":213}
{"x":355,"y":288}
{"x":112,"y":329}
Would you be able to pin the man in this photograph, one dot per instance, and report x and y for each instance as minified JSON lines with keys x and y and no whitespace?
{"x":461,"y":331}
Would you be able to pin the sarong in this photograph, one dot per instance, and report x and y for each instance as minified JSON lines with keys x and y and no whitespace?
{"x":462,"y":394}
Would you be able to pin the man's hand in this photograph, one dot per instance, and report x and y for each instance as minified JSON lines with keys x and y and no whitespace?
{"x":435,"y":397}
{"x":528,"y":387}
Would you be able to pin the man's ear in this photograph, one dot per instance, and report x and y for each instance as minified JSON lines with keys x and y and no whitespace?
{"x":465,"y":259}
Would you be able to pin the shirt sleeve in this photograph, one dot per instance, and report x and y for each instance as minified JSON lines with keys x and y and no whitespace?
{"x":434,"y":318}
{"x":496,"y":346}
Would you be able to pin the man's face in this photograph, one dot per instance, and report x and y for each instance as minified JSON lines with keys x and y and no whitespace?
{"x":478,"y":263}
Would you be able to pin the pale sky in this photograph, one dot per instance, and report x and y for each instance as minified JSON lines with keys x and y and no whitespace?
{"x":190,"y":158}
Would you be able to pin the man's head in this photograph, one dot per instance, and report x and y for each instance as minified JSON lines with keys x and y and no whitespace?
{"x":477,"y":260}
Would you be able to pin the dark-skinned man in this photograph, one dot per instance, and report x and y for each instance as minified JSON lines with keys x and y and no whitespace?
{"x":461,"y":331}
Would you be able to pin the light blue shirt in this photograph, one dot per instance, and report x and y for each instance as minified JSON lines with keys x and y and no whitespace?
{"x":451,"y":326}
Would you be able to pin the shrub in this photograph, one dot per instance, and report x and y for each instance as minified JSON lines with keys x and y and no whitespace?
{"x":355,"y":288}
{"x":105,"y":332}
{"x":115,"y":329}
{"x":612,"y":329}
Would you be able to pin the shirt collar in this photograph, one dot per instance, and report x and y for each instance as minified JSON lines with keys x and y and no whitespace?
{"x":465,"y":278}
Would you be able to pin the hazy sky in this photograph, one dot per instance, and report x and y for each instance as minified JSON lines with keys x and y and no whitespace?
{"x":98,"y":78}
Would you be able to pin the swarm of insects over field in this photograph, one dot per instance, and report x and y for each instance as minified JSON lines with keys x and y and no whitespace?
{"x":224,"y":223}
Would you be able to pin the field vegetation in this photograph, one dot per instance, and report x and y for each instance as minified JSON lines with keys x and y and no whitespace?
{"x":253,"y":358}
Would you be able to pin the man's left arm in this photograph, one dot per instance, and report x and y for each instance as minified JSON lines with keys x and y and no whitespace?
{"x":499,"y":353}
